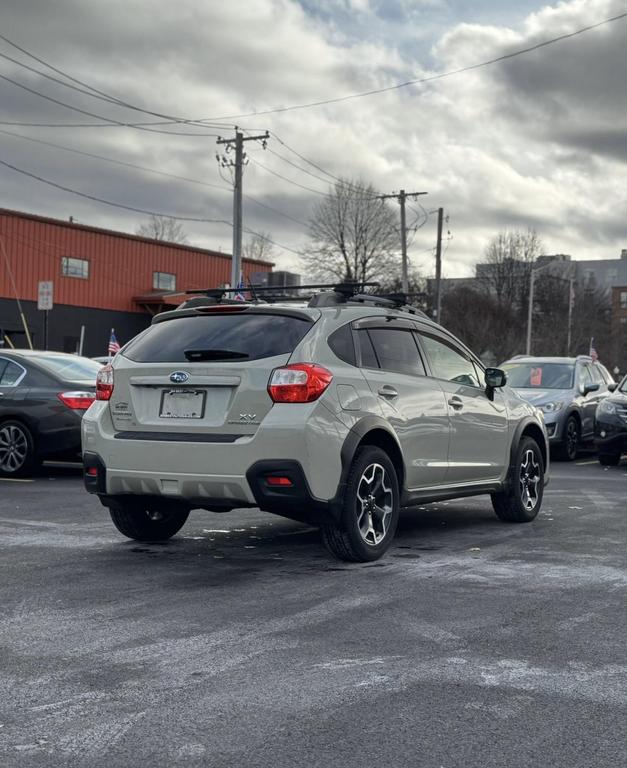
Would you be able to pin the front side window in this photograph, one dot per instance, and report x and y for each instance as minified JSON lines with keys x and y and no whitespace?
{"x":73,"y":267}
{"x":396,"y":350}
{"x":163,"y":281}
{"x":12,"y":373}
{"x":449,"y":363}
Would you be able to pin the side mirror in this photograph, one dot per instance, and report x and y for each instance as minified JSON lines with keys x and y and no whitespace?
{"x":587,"y":388}
{"x":494,"y":378}
{"x":612,"y":387}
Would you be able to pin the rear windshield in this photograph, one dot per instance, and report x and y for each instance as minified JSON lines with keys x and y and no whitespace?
{"x":540,"y":375}
{"x":70,"y":368}
{"x":224,"y":338}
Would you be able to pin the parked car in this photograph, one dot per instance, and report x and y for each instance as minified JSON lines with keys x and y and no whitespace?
{"x":43,"y":396}
{"x":610,"y":433}
{"x":568,"y":390}
{"x":337,"y":413}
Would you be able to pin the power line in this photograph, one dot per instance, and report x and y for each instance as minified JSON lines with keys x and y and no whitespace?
{"x":110,"y":202}
{"x":150,"y":170}
{"x":289,"y":181}
{"x":423,"y":80}
{"x":110,"y":121}
{"x":114,"y":161}
{"x":91,"y":91}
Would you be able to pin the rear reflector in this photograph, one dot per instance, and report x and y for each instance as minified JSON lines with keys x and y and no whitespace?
{"x":104,"y":383}
{"x":77,"y":401}
{"x":298,"y":383}
{"x":92,"y":471}
{"x":276,"y":480}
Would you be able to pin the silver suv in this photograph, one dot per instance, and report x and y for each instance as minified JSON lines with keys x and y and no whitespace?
{"x":567,"y":390}
{"x":338,"y":413}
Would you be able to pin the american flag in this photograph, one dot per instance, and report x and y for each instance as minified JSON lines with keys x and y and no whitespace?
{"x":114,"y":346}
{"x":239,"y":296}
{"x":593,"y":352}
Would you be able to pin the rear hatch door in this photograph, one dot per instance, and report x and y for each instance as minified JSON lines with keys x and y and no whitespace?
{"x":203,"y":375}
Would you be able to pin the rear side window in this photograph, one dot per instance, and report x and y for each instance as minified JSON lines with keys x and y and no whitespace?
{"x":11,"y":374}
{"x":341,"y":343}
{"x":224,"y":338}
{"x":368,"y":359}
{"x":396,"y":351}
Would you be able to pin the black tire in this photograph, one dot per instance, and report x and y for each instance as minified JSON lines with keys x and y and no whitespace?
{"x":17,"y":450}
{"x":610,"y":459}
{"x":136,"y":522}
{"x":523,"y":499}
{"x":567,"y":450}
{"x":370,"y":509}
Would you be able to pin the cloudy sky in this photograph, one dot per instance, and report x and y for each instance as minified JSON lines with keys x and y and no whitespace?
{"x":538,"y":140}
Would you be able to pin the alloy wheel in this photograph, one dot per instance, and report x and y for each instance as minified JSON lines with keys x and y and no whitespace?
{"x":13,"y":448}
{"x":529,"y":481}
{"x":375,"y":500}
{"x":572,"y":439}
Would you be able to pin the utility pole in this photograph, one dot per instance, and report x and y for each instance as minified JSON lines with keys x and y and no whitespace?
{"x":402,"y":197}
{"x":238,"y":144}
{"x":438,"y":266}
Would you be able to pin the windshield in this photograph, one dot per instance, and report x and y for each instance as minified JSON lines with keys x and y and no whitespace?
{"x":540,"y":375}
{"x":70,"y":368}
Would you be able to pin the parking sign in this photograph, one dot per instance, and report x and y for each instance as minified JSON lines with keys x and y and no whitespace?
{"x":44,"y":294}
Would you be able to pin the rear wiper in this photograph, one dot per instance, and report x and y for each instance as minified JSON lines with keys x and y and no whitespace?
{"x":214,"y":354}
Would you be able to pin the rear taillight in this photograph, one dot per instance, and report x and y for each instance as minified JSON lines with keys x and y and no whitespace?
{"x":298,"y":383}
{"x":104,"y":383}
{"x":77,"y":401}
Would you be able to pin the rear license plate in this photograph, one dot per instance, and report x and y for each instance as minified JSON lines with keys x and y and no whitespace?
{"x":182,"y":404}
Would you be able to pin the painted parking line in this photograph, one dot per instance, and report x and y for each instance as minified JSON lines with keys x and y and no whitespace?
{"x":589,"y":461}
{"x":14,"y":480}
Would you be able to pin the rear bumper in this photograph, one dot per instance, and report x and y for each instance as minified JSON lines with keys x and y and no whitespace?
{"x":218,"y":475}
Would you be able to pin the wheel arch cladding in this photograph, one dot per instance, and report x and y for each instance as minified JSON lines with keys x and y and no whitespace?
{"x":534,"y":431}
{"x":381,"y":438}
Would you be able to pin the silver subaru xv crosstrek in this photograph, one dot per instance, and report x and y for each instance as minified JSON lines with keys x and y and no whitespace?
{"x":339,"y":413}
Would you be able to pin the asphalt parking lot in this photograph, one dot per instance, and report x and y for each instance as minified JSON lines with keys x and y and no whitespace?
{"x":242,"y":643}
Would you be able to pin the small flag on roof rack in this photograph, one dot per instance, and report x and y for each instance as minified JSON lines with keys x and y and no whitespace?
{"x":239,"y":296}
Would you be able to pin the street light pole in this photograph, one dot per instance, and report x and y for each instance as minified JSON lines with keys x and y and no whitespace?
{"x":530,"y":310}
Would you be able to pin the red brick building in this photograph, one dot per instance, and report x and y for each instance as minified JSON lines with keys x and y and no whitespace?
{"x":102,"y":279}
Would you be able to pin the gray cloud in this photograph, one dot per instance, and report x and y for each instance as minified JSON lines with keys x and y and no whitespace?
{"x":530,"y":142}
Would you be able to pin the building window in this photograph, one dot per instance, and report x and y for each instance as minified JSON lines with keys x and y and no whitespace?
{"x":623,"y":321}
{"x":623,"y":299}
{"x":163,"y":281}
{"x":71,"y":267}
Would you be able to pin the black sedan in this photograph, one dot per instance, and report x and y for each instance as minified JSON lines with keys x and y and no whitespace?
{"x":610,"y":432}
{"x":43,"y":396}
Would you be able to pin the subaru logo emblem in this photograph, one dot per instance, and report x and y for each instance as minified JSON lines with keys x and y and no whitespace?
{"x":179,"y":377}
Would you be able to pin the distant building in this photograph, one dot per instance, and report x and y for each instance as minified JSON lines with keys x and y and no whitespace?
{"x":101,"y":279}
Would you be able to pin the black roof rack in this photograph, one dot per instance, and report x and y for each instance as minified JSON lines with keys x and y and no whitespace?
{"x":319,"y":295}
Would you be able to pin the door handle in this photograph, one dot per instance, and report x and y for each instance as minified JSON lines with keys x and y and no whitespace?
{"x":388,"y":392}
{"x":456,"y":402}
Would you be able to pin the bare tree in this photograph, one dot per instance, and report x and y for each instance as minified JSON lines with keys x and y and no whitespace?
{"x":259,"y":246}
{"x":509,"y":258}
{"x":163,"y":228}
{"x":354,"y":235}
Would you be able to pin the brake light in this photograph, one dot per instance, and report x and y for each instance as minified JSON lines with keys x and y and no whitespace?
{"x":222,"y":308}
{"x":104,"y":383}
{"x":77,"y":401}
{"x":298,"y":383}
